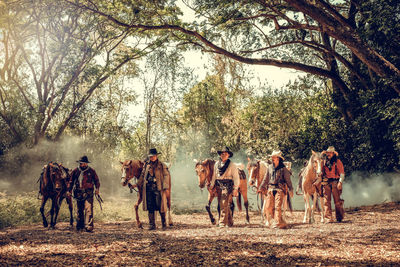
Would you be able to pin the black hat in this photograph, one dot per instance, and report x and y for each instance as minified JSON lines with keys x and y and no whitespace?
{"x":83,"y":159}
{"x":153,"y":152}
{"x":225,"y":149}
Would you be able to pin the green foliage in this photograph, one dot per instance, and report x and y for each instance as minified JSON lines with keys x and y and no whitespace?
{"x":24,"y":209}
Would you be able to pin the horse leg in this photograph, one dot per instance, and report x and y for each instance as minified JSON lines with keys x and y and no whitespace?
{"x":219,"y":208}
{"x":70,"y":206}
{"x":138,"y":223}
{"x":306,"y":203}
{"x":44,"y":200}
{"x":56,"y":211}
{"x":262,"y":207}
{"x":210,"y":199}
{"x":170,"y":223}
{"x":322,"y":210}
{"x":246,"y":205}
{"x":52,"y":211}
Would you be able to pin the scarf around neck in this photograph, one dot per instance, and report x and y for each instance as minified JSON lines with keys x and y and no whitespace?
{"x":223,"y":166}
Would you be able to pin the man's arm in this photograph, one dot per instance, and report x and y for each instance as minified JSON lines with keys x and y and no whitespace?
{"x":286,"y":175}
{"x":141,"y":177}
{"x":96,"y":182}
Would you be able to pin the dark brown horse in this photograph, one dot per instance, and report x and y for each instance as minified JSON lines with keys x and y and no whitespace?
{"x":53,"y":185}
{"x":205,"y":170}
{"x":132,"y":169}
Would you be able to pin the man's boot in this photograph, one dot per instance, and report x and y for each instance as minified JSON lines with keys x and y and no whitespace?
{"x":152,"y":221}
{"x":163,"y":221}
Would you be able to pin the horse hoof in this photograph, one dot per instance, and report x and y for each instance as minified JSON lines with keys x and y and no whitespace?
{"x":45,"y":225}
{"x":140,"y":226}
{"x":171,"y":224}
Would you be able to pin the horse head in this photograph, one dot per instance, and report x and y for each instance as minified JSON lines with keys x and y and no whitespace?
{"x":253,"y":167}
{"x":204,"y":170}
{"x":316,"y":162}
{"x":53,"y":177}
{"x":130,"y":169}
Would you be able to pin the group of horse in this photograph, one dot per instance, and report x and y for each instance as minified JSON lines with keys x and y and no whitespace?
{"x":257,"y":170}
{"x":55,"y":177}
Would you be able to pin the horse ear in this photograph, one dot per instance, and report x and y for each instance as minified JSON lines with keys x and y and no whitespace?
{"x":195,"y":160}
{"x":130,"y":162}
{"x":248,"y":159}
{"x":121,"y":162}
{"x":313,"y":152}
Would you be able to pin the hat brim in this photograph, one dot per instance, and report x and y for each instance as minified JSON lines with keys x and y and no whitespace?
{"x":151,"y":155}
{"x":79,"y":161}
{"x":270,"y":156}
{"x":229,"y":152}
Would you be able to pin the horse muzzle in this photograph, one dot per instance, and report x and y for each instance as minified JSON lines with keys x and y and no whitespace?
{"x":124,"y":182}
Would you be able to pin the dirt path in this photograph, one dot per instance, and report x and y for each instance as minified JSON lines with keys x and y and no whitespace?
{"x":368,"y":236}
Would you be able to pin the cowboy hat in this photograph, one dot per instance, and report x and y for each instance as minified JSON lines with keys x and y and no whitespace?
{"x":332,"y":149}
{"x":83,"y":159}
{"x":153,"y":152}
{"x":277,"y":153}
{"x":225,"y":149}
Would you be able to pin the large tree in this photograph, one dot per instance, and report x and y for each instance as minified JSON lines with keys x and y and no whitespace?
{"x":318,"y":37}
{"x":54,"y":57}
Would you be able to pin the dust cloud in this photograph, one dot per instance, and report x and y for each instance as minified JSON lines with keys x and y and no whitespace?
{"x":21,"y":167}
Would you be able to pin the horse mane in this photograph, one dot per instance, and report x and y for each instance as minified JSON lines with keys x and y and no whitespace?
{"x":263,"y":168}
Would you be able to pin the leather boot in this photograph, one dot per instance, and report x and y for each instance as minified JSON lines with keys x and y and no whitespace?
{"x":152,"y":221}
{"x":163,"y":221}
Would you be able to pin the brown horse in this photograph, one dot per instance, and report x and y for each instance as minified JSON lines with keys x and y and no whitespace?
{"x":257,"y":170}
{"x":53,"y":185}
{"x":309,"y":176}
{"x":205,"y":171}
{"x":132,"y":169}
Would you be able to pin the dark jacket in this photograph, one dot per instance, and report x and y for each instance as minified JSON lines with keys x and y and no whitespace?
{"x":90,"y":179}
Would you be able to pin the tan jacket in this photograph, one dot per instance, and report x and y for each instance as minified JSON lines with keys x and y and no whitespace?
{"x":163,"y":180}
{"x":231,"y":173}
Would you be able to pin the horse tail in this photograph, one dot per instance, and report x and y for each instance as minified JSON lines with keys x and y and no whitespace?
{"x":239,"y":201}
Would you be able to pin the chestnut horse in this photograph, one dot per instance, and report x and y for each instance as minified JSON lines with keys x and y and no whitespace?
{"x":53,"y":185}
{"x":132,"y":169}
{"x":257,"y":170}
{"x":309,"y":176}
{"x":205,"y":170}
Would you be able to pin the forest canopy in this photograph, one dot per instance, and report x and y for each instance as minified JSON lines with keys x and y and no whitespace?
{"x":73,"y":68}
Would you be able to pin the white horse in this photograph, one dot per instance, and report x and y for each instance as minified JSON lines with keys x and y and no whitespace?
{"x":309,"y":176}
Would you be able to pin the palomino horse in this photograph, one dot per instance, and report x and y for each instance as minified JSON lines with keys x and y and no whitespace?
{"x":309,"y":176}
{"x":133,"y":169}
{"x":257,"y":170}
{"x":205,"y":171}
{"x":53,"y":184}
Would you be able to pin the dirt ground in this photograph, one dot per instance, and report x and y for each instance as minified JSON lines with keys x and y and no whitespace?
{"x":368,"y":236}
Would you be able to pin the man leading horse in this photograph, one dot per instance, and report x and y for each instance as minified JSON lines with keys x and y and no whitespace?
{"x":226,"y":178}
{"x":154,"y":180}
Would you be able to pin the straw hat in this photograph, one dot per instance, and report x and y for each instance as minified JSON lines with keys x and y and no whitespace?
{"x":277,"y":153}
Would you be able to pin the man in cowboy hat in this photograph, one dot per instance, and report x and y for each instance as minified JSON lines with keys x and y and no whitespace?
{"x":276,"y":182}
{"x":332,"y":180}
{"x":226,"y":178}
{"x":154,"y":179}
{"x":83,"y":180}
